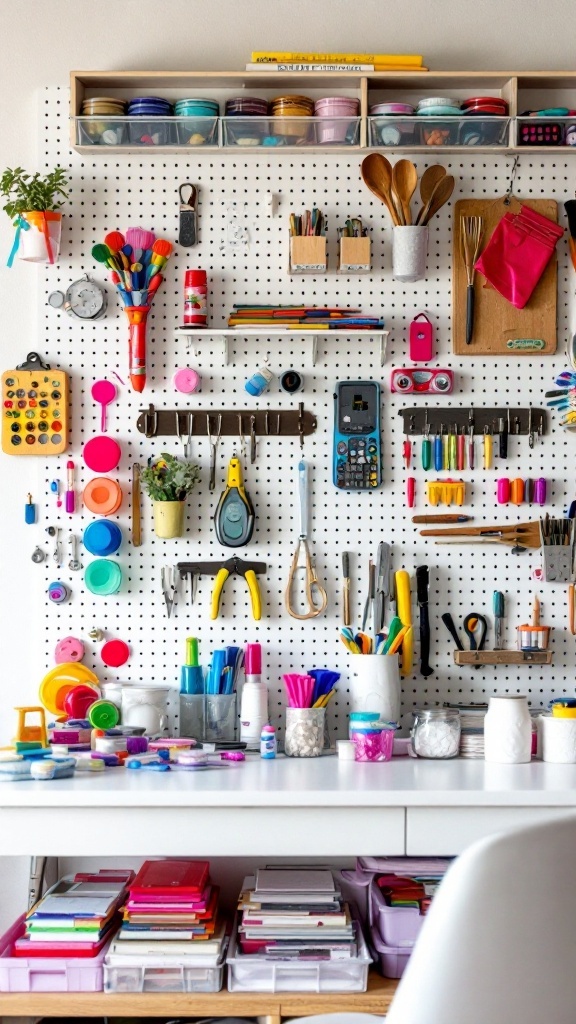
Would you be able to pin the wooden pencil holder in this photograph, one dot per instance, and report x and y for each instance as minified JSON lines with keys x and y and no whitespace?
{"x":354,"y":256}
{"x":308,"y":254}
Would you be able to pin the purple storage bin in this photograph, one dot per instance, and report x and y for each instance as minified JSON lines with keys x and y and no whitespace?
{"x":392,"y":960}
{"x":397,"y":926}
{"x":47,"y":974}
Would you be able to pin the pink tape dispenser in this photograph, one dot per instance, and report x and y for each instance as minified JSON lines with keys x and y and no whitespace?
{"x":421,"y":339}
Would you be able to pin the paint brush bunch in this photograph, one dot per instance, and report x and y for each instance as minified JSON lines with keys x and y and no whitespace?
{"x":313,"y":690}
{"x":388,"y":641}
{"x":135,"y":260}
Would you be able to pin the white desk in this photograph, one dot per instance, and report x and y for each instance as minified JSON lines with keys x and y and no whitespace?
{"x":287,"y":807}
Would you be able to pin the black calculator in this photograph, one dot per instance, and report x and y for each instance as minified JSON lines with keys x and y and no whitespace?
{"x":357,"y":452}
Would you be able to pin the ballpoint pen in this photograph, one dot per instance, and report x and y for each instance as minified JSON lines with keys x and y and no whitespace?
{"x":498,"y":608}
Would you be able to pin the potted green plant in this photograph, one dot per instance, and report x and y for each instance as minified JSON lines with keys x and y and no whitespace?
{"x":33,"y":203}
{"x":168,"y":482}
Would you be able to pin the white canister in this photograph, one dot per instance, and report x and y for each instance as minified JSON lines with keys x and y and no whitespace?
{"x":145,"y":707}
{"x":253,"y":713}
{"x":375,"y":685}
{"x":508,"y":730}
{"x":409,"y":252}
{"x":113,"y":692}
{"x":558,"y":739}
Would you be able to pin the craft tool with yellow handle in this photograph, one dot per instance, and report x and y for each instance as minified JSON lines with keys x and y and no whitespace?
{"x":404,"y":611}
{"x":234,"y":515}
{"x":488,"y":448}
{"x":246,"y":569}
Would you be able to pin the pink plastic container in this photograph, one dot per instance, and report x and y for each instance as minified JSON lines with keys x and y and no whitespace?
{"x":392,"y":960}
{"x":373,"y":743}
{"x":397,"y":926}
{"x":47,"y":974}
{"x":335,"y":107}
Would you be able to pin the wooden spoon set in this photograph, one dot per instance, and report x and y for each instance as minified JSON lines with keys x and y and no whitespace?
{"x":395,"y":186}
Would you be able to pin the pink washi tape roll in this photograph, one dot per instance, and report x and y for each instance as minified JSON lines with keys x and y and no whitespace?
{"x":186,"y":380}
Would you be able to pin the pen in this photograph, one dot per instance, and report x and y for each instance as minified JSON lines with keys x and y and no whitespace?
{"x":346,"y":587}
{"x":498,"y":607}
{"x":70,"y":499}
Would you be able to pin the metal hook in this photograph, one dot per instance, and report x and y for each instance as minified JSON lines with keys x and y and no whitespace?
{"x":151,"y":414}
{"x":510,"y":189}
{"x":241,"y":436}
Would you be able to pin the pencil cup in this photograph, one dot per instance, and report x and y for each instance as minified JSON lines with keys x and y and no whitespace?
{"x":192,"y":715}
{"x":304,"y":732}
{"x":409,"y":251}
{"x":308,"y":254}
{"x":375,"y":685}
{"x":558,"y":738}
{"x":220,"y":717}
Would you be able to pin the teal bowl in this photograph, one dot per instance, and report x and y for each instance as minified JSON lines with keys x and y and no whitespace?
{"x":103,"y":577}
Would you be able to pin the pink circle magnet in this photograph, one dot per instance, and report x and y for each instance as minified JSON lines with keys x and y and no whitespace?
{"x":102,"y":454}
{"x":68,"y":649}
{"x":186,"y":380}
{"x":115,"y":653}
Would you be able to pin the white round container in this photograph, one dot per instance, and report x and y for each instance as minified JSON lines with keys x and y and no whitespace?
{"x":409,"y":252}
{"x":508,"y":730}
{"x":253,"y":713}
{"x":113,"y":692}
{"x":375,"y":685}
{"x":558,"y":739}
{"x":145,"y":707}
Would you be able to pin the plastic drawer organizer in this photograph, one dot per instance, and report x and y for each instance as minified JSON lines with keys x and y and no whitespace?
{"x":152,"y":974}
{"x":255,"y":974}
{"x":46,"y":974}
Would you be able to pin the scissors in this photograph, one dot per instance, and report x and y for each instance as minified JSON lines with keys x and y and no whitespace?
{"x":315,"y":595}
{"x":169,"y":587}
{"x":471,"y":623}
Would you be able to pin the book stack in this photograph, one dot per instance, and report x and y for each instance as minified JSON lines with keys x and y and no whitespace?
{"x":171,"y":911}
{"x":76,"y":917}
{"x":314,"y":318}
{"x":273,"y":60}
{"x":295,"y":914}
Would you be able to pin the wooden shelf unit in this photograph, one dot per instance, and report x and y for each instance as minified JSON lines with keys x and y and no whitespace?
{"x":272,"y":1006}
{"x":518,"y":88}
{"x":502,"y":657}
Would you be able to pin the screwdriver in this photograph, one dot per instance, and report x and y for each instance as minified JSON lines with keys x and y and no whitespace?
{"x":426,"y":444}
{"x":498,"y":608}
{"x":460,"y":450}
{"x":488,"y":447}
{"x":407,"y":451}
{"x":452,"y":448}
{"x":438,"y":451}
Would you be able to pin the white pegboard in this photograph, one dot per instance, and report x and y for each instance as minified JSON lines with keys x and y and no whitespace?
{"x":112,"y":191}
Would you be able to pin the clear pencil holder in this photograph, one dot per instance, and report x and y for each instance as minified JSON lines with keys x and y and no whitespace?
{"x":192,"y":716}
{"x":409,"y":252}
{"x":304,"y":732}
{"x":220,"y":717}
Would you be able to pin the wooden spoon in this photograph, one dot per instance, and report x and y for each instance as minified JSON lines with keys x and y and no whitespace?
{"x":404,"y":182}
{"x":439,"y":197}
{"x":376,"y":173}
{"x":428,"y":182}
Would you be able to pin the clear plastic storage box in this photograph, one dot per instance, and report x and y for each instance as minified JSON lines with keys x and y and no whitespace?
{"x":162,"y":974}
{"x":256,"y":974}
{"x":47,"y":974}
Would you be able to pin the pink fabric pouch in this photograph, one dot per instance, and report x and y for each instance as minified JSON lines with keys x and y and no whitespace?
{"x":518,"y":253}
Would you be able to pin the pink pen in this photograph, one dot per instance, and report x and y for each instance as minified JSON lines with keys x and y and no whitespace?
{"x":70,"y":500}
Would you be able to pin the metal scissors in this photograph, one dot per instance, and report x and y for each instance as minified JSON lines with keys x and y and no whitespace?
{"x":169,"y":587}
{"x":315,"y":595}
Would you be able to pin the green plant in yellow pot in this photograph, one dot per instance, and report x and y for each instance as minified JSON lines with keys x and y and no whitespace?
{"x":168,"y":482}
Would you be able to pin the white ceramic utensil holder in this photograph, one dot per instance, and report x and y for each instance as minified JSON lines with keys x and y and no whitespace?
{"x":375,"y":685}
{"x":508,"y":730}
{"x":409,"y":252}
{"x":558,"y":739}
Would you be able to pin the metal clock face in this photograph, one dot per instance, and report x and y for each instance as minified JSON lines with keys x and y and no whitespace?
{"x":84,"y":299}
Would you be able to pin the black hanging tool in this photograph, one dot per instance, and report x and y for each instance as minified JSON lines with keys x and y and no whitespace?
{"x":449,"y":623}
{"x":422,"y":585}
{"x":188,"y":233}
{"x":234,"y":515}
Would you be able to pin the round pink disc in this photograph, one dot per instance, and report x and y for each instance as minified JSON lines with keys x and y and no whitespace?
{"x":115,"y":653}
{"x":68,"y":649}
{"x":186,"y":380}
{"x":102,"y":454}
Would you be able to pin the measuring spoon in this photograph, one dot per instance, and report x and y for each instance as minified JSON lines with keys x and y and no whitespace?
{"x":404,"y":182}
{"x":103,"y":392}
{"x":74,"y":564}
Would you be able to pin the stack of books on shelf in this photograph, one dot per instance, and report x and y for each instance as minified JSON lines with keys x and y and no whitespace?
{"x":295,"y":914}
{"x":292,"y":60}
{"x":76,"y":917}
{"x":315,"y":318}
{"x":171,"y":913}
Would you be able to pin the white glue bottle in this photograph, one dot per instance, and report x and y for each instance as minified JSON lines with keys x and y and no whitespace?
{"x":254,"y":701}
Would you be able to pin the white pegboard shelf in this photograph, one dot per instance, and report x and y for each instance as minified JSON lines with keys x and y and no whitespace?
{"x":227,"y":333}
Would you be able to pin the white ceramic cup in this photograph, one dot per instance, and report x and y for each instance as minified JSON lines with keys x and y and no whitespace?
{"x":558,"y":738}
{"x":145,"y":707}
{"x":409,"y":251}
{"x":508,"y":730}
{"x":375,"y":685}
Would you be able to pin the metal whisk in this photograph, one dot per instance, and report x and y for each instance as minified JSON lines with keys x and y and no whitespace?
{"x":471,"y":229}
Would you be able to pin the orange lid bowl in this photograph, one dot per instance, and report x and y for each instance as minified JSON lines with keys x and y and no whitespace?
{"x":102,"y":495}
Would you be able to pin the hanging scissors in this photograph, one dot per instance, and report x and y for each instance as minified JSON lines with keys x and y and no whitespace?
{"x":314,"y":594}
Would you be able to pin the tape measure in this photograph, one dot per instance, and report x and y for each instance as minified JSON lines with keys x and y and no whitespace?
{"x":234,"y":515}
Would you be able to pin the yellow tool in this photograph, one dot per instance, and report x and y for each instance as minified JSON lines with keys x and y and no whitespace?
{"x":404,"y":612}
{"x":246,"y":569}
{"x":444,"y":492}
{"x":571,"y":609}
{"x":314,"y":594}
{"x":488,"y":448}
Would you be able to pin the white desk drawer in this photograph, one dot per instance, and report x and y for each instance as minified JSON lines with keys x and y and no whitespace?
{"x":446,"y":831}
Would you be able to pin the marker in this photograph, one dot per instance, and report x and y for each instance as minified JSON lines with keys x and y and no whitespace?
{"x":70,"y":500}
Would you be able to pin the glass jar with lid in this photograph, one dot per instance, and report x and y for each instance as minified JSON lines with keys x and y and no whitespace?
{"x":436,"y":732}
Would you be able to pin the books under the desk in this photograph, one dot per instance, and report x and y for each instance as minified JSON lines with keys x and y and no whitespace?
{"x":295,"y":914}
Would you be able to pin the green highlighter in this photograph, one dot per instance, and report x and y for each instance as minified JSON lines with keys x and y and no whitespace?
{"x":191,"y":674}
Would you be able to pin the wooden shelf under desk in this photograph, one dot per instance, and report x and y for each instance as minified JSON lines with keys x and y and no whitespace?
{"x":502,"y":657}
{"x":218,"y":1004}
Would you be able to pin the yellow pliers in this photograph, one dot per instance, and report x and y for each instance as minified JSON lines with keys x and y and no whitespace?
{"x":249,"y":571}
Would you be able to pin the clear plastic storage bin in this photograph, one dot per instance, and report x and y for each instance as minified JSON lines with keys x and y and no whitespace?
{"x":154,"y":974}
{"x":46,"y":974}
{"x":255,"y":974}
{"x":436,"y":132}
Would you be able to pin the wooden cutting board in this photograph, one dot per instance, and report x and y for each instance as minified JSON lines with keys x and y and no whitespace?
{"x":496,"y":320}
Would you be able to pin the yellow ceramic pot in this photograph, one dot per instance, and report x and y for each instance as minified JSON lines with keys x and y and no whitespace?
{"x":169,"y":519}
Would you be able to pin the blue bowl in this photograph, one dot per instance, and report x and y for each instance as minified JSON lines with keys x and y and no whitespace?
{"x":102,"y":537}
